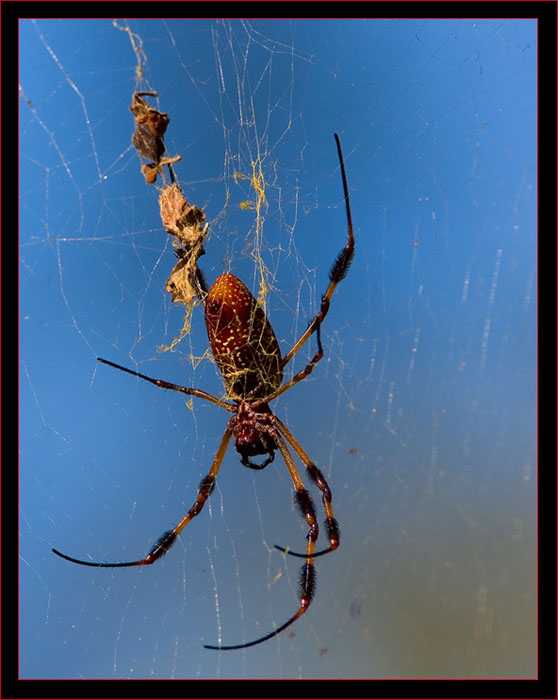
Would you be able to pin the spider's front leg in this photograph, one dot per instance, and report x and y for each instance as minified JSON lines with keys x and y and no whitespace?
{"x":307,"y":582}
{"x":165,"y":542}
{"x":318,"y":478}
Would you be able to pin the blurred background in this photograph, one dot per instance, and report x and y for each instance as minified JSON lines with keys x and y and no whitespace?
{"x":422,"y":414}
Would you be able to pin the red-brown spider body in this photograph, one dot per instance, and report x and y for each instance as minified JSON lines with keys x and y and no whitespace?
{"x":242,"y":340}
{"x":247,"y":354}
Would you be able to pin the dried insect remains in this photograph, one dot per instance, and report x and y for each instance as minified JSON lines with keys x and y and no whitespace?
{"x":147,"y":139}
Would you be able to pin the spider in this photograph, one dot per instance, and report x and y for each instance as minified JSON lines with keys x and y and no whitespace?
{"x":247,"y":354}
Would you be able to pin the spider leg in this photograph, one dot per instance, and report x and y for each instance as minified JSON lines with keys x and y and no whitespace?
{"x":318,"y":478}
{"x":165,"y":542}
{"x":174,"y":387}
{"x":338,"y":270}
{"x":299,"y":376}
{"x":307,"y":583}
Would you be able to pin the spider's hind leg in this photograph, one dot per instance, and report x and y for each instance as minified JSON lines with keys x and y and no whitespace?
{"x":338,"y":270}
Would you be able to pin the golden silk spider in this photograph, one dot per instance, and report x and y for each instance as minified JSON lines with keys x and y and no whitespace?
{"x":247,"y":354}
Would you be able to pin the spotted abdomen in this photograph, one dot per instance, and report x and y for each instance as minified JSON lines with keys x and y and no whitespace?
{"x":242,"y":340}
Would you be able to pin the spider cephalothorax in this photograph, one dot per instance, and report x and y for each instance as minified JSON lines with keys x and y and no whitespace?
{"x":253,"y":433}
{"x":248,"y":356}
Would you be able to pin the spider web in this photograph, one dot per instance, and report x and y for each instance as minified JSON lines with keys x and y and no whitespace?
{"x":421,"y":414}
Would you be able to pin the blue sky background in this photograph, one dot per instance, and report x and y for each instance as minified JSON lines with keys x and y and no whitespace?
{"x":422,"y":413}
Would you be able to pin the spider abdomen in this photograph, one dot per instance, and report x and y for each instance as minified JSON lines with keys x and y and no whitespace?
{"x":242,"y":339}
